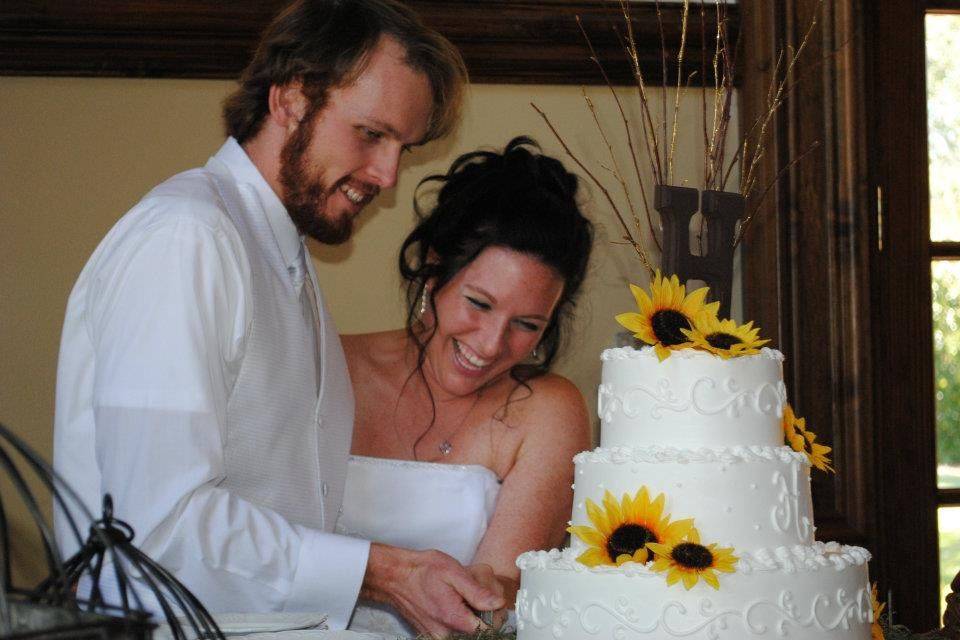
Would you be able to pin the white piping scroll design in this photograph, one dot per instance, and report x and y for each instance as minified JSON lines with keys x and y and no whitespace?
{"x":787,"y":510}
{"x":768,"y":399}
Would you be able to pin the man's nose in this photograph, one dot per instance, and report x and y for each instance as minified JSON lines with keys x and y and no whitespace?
{"x":384,"y":166}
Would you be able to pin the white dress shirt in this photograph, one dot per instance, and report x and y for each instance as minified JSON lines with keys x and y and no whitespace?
{"x":183,"y":391}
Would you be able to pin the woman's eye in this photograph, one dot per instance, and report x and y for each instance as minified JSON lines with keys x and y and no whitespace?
{"x":528,"y":326}
{"x":479,"y":304}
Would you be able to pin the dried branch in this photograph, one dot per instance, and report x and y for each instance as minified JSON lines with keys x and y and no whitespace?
{"x":676,"y":100}
{"x":628,"y":236}
{"x":746,"y":221}
{"x":634,"y":156}
{"x":615,"y":170}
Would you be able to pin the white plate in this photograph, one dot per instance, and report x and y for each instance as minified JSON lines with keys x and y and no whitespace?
{"x":316,"y":635}
{"x":242,"y":625}
{"x":238,"y":623}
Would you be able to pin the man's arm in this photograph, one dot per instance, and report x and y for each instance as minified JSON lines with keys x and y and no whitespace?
{"x":167,"y":315}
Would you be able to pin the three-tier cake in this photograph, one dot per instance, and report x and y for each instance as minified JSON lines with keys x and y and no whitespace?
{"x":693,"y":519}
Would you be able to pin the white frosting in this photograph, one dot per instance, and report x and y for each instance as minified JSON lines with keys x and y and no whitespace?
{"x":560,"y":598}
{"x":691,"y":399}
{"x":706,"y":433}
{"x":744,"y":497}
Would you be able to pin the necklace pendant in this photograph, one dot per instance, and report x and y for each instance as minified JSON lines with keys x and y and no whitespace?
{"x":445,"y":447}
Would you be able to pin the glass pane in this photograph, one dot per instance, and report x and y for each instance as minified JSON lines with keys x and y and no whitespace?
{"x":949,"y":518}
{"x":946,"y":366}
{"x":943,"y":124}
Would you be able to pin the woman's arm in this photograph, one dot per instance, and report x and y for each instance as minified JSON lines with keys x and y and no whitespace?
{"x":533,"y":506}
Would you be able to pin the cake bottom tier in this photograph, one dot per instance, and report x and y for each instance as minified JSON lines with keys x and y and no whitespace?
{"x":765,"y":598}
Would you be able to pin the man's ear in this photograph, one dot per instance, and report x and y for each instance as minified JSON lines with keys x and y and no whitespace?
{"x":287,"y":105}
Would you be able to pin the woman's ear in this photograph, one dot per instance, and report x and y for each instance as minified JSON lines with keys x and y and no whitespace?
{"x":287,"y":105}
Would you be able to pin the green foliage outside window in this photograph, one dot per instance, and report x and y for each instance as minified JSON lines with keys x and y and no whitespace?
{"x":946,"y":345}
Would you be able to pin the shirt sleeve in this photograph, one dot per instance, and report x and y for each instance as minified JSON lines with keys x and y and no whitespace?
{"x":167,"y":316}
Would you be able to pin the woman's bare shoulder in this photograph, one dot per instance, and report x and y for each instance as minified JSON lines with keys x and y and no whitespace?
{"x":370,"y":348}
{"x":554,"y":409}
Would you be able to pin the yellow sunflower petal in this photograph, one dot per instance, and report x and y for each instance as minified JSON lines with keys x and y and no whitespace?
{"x":673,"y":576}
{"x":710,"y":578}
{"x":641,"y":555}
{"x":612,"y":506}
{"x":599,"y":518}
{"x":660,"y":564}
{"x":693,"y":305}
{"x":624,"y":557}
{"x":641,"y":297}
{"x":661,"y":550}
{"x":689,"y":579}
{"x":593,"y":557}
{"x":662,"y":352}
{"x":631,"y":321}
{"x":678,"y":529}
{"x":589,"y":535}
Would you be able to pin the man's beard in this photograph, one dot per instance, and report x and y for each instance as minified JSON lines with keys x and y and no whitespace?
{"x":304,"y":196}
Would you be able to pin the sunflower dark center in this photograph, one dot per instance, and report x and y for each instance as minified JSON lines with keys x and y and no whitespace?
{"x":722,"y":340}
{"x":628,"y":538}
{"x":666,"y":326}
{"x":692,"y":555}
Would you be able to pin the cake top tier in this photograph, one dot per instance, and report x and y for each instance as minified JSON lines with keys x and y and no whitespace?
{"x":648,"y":352}
{"x":692,"y":399}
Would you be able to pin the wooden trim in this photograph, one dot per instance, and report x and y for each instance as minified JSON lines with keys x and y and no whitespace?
{"x":816,"y":283}
{"x":503,"y":41}
{"x":905,"y":478}
{"x":805,"y":260}
{"x":945,"y":250}
{"x":948,"y":497}
{"x":943,"y":6}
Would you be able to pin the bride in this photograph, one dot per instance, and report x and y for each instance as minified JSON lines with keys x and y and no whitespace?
{"x":463,"y":439}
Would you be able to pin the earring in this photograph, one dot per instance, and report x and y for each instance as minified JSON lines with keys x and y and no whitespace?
{"x":534,"y":354}
{"x":423,"y":302}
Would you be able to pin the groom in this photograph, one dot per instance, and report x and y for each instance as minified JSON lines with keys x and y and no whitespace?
{"x":201,"y":381}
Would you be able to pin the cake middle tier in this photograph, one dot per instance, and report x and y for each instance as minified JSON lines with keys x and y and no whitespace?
{"x":742,"y":497}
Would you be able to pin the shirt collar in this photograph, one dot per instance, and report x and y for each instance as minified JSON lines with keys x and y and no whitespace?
{"x":238,"y":163}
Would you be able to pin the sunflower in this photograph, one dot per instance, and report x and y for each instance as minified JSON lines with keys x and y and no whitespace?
{"x":876,"y":630}
{"x":622,"y":531}
{"x":665,"y":313}
{"x":724,"y":337}
{"x":797,"y":436}
{"x":684,"y":558}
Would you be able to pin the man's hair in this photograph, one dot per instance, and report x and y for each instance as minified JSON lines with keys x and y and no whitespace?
{"x":326,"y":44}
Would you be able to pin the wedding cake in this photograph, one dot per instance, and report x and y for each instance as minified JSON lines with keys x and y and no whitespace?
{"x":693,"y":518}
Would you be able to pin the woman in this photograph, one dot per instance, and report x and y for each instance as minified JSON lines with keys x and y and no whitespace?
{"x":463,"y":440}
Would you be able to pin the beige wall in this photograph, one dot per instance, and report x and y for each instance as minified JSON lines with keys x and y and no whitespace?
{"x":76,"y":153}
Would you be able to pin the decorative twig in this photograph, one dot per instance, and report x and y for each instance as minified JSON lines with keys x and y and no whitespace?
{"x":628,"y":236}
{"x":626,"y":127}
{"x":676,"y":100}
{"x":746,"y":221}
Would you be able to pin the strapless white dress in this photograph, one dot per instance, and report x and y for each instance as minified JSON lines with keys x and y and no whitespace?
{"x":415,"y":505}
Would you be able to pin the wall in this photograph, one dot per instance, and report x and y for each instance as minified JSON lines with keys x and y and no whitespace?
{"x":76,"y":153}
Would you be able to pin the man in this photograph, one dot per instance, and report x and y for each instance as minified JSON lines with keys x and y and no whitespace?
{"x":201,"y":381}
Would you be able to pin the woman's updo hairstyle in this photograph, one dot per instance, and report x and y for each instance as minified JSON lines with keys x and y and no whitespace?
{"x":519,"y":199}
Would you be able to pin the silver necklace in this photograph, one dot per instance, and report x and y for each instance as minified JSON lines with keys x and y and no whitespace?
{"x":446,"y":447}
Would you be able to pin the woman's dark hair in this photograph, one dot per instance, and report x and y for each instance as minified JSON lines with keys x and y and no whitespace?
{"x":519,"y":199}
{"x":325,"y":44}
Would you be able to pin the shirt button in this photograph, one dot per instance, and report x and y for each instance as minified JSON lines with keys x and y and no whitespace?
{"x":324,"y":489}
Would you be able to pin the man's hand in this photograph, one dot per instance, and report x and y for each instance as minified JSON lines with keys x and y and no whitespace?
{"x":483,"y":573}
{"x":434,"y":592}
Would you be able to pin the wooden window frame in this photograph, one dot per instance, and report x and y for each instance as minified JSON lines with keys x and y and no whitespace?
{"x":816,"y":279}
{"x":503,"y":41}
